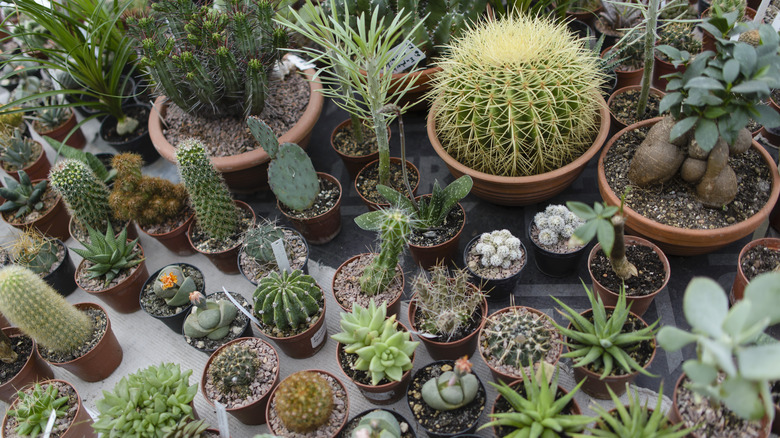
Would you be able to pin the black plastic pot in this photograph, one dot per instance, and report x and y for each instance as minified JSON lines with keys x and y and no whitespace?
{"x":351,"y":424}
{"x":63,"y":278}
{"x":305,"y":267}
{"x":245,"y":333}
{"x":176,"y":321}
{"x":497,"y":289}
{"x":555,"y":264}
{"x":141,"y":144}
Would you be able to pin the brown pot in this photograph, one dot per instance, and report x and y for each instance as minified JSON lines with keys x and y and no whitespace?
{"x":353,"y":163}
{"x":448,"y":350}
{"x":35,"y":369}
{"x":372,"y":206}
{"x":323,"y":228}
{"x":393,"y":308}
{"x":681,"y":241}
{"x":99,"y":362}
{"x":587,"y":17}
{"x":625,"y":78}
{"x":421,"y":80}
{"x":662,"y":68}
{"x":81,"y":427}
{"x":246,"y":172}
{"x":617,"y":124}
{"x":707,"y":40}
{"x":225,"y":261}
{"x":639,"y":304}
{"x":251,"y":413}
{"x":175,"y":240}
{"x":521,"y":190}
{"x":124,"y":296}
{"x":306,"y":344}
{"x":574,"y":407}
{"x":444,"y":253}
{"x":39,"y":169}
{"x":770,"y":136}
{"x":132,"y":233}
{"x":59,"y":133}
{"x":53,"y":223}
{"x":740,"y":280}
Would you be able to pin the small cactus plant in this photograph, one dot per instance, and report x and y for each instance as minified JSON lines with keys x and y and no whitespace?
{"x":33,"y":408}
{"x":497,"y":249}
{"x":209,"y":318}
{"x":726,"y":6}
{"x":110,"y":255}
{"x":287,"y":300}
{"x":446,"y":303}
{"x":304,"y":401}
{"x":35,"y":251}
{"x":173,"y":286}
{"x":234,"y":369}
{"x":679,"y":35}
{"x":377,"y":424}
{"x":393,"y":226}
{"x":556,"y":224}
{"x":451,"y":389}
{"x":22,"y":197}
{"x":258,"y":240}
{"x":18,"y":152}
{"x":518,"y":337}
{"x":85,"y":195}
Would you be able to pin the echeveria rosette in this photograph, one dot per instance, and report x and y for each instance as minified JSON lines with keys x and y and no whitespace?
{"x":362,"y":326}
{"x":388,"y":356}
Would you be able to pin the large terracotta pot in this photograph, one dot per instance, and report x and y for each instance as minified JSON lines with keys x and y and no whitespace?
{"x":34,"y":370}
{"x":122,"y":297}
{"x":740,"y":280}
{"x":53,"y":223}
{"x":521,"y":190}
{"x":321,"y":229}
{"x":682,"y":241}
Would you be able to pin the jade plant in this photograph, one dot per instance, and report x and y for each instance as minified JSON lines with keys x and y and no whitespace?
{"x":304,"y":401}
{"x":393,"y":226}
{"x":16,"y":151}
{"x":84,"y":193}
{"x":209,"y":318}
{"x":173,"y":286}
{"x":234,"y":369}
{"x":451,"y":389}
{"x":22,"y":197}
{"x":287,"y":301}
{"x":377,"y":424}
{"x":110,"y":255}
{"x":33,"y":408}
{"x":517,"y":337}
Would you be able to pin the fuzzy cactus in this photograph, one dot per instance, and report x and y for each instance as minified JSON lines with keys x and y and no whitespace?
{"x":556,"y":224}
{"x":209,"y":318}
{"x":22,"y":197}
{"x":287,"y":300}
{"x":304,"y":401}
{"x":517,"y":96}
{"x":85,"y":195}
{"x":18,"y":152}
{"x":215,"y":211}
{"x":291,"y":174}
{"x":234,"y":369}
{"x":173,"y":286}
{"x":394,"y":227}
{"x":258,"y":240}
{"x":752,"y":37}
{"x":498,"y":248}
{"x":40,"y":312}
{"x":451,"y":389}
{"x":517,"y":338}
{"x":377,"y":424}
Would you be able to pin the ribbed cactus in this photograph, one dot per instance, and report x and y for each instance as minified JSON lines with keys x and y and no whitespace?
{"x":258,"y":240}
{"x":234,"y":369}
{"x":215,"y":211}
{"x":517,"y":96}
{"x":681,"y":36}
{"x":16,"y":151}
{"x":731,"y":6}
{"x":287,"y":300}
{"x":40,"y":312}
{"x":517,"y":338}
{"x":394,"y":228}
{"x":751,"y":37}
{"x":173,"y":286}
{"x":85,"y":195}
{"x":22,"y":197}
{"x":209,"y":318}
{"x":304,"y":401}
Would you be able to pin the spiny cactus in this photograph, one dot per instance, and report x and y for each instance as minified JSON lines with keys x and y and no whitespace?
{"x":291,"y":174}
{"x":10,"y":121}
{"x":18,"y":152}
{"x":40,"y":312}
{"x":33,"y":408}
{"x":173,"y":286}
{"x":215,"y":211}
{"x":22,"y":197}
{"x":681,"y":36}
{"x":451,"y":389}
{"x":144,"y":199}
{"x":517,"y":96}
{"x":498,"y":248}
{"x":377,"y":424}
{"x":110,"y":255}
{"x":304,"y":401}
{"x":727,"y":6}
{"x":234,"y":369}
{"x":288,"y":300}
{"x":752,"y":37}
{"x":517,"y":337}
{"x":447,"y":303}
{"x":35,"y":251}
{"x":556,"y":224}
{"x":394,"y":227}
{"x":85,"y":195}
{"x":209,"y":318}
{"x":258,"y":240}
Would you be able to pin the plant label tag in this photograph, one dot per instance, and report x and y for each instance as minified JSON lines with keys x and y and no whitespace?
{"x":761,"y":11}
{"x":404,"y":56}
{"x":281,"y":256}
{"x":299,"y":62}
{"x":776,"y":23}
{"x":50,"y":423}
{"x":735,"y":37}
{"x":222,"y":420}
{"x":319,"y":337}
{"x":241,"y":308}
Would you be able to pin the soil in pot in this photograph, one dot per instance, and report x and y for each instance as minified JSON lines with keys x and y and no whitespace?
{"x":325,"y":201}
{"x":139,"y":113}
{"x":238,"y":328}
{"x":445,"y":231}
{"x":555,"y":260}
{"x":623,"y":107}
{"x":368,"y":178}
{"x":336,"y":421}
{"x":297,"y":253}
{"x":49,"y":199}
{"x":651,"y":274}
{"x":758,"y":260}
{"x":406,"y":430}
{"x":346,"y":285}
{"x":204,"y":244}
{"x":464,"y":330}
{"x":22,"y":346}
{"x":170,"y":224}
{"x":344,"y":142}
{"x":61,"y":425}
{"x":156,"y":306}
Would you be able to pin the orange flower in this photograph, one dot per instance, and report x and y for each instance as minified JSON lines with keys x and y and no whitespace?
{"x":463,"y":366}
{"x":168,"y":280}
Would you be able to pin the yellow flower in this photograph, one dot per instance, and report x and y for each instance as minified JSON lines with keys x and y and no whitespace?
{"x":168,"y":280}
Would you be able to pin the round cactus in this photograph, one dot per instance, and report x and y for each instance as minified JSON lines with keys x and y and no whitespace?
{"x":234,"y":369}
{"x":288,"y":300}
{"x":304,"y":401}
{"x":517,"y":338}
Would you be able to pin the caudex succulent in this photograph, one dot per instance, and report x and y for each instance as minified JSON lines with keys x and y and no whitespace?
{"x":393,"y":226}
{"x":304,"y":401}
{"x":234,"y":369}
{"x":377,"y":424}
{"x":452,"y":389}
{"x":173,"y":286}
{"x":209,"y":318}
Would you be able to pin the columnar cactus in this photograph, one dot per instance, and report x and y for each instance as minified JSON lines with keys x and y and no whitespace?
{"x":258,"y":240}
{"x":287,"y":300}
{"x":209,"y":318}
{"x":40,"y":312}
{"x":215,"y":211}
{"x":234,"y":369}
{"x":498,"y":248}
{"x":85,"y":195}
{"x":304,"y":401}
{"x":517,"y":338}
{"x":394,"y":227}
{"x":173,"y":286}
{"x":452,"y":389}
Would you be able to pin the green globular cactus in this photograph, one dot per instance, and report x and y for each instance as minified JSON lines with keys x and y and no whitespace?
{"x":291,"y":174}
{"x":22,"y":197}
{"x":452,"y":389}
{"x":394,"y":226}
{"x":727,"y":6}
{"x":40,"y":312}
{"x":16,"y":151}
{"x":377,"y":424}
{"x":33,"y":408}
{"x":215,"y":211}
{"x":287,"y":300}
{"x":304,"y":401}
{"x":209,"y":318}
{"x":517,"y":96}
{"x":10,"y":121}
{"x":681,"y":36}
{"x":35,"y":251}
{"x":173,"y":286}
{"x":234,"y":369}
{"x":516,"y":338}
{"x":85,"y":195}
{"x":258,"y":240}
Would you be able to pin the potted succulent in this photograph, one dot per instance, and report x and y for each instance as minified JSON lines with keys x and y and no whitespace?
{"x":495,"y":260}
{"x":681,"y":36}
{"x":34,"y":205}
{"x":378,"y":423}
{"x":47,"y":257}
{"x":324,"y":408}
{"x":241,"y":375}
{"x":549,"y":233}
{"x":20,"y":363}
{"x":615,"y":19}
{"x":446,"y":312}
{"x":22,"y":153}
{"x":214,"y":320}
{"x":256,"y":259}
{"x":57,"y":122}
{"x":29,"y":413}
{"x":375,"y":353}
{"x":78,"y":338}
{"x":755,"y":258}
{"x":166,"y":293}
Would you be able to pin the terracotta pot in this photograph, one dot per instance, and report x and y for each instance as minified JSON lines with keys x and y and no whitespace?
{"x":175,"y":240}
{"x":625,"y":78}
{"x":353,"y":163}
{"x":421,"y":84}
{"x":175,"y":321}
{"x":499,"y":375}
{"x":444,"y":253}
{"x":306,"y":344}
{"x":39,"y":169}
{"x":59,"y":133}
{"x":132,"y":233}
{"x":554,"y":264}
{"x":587,"y":17}
{"x":53,"y":223}
{"x":662,"y":68}
{"x":448,"y":350}
{"x":496,"y":288}
{"x":617,"y":124}
{"x":707,"y":40}
{"x":62,"y":278}
{"x":352,"y":424}
{"x":393,"y":308}
{"x":251,"y":413}
{"x":771,"y":135}
{"x":254,"y":280}
{"x":35,"y":369}
{"x":681,"y":241}
{"x":225,"y":260}
{"x":323,"y":228}
{"x":124,"y":296}
{"x":520,"y":190}
{"x":372,"y":206}
{"x":99,"y":362}
{"x":81,"y":427}
{"x":740,"y":280}
{"x":639,"y":304}
{"x":573,"y":406}
{"x":246,"y":172}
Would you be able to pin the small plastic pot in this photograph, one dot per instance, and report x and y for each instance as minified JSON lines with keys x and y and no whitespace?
{"x":353,"y":423}
{"x":122,"y":297}
{"x":175,"y":240}
{"x":245,"y":333}
{"x":35,"y":369}
{"x":411,"y":168}
{"x":353,"y":163}
{"x":497,"y":289}
{"x":393,"y":307}
{"x":444,"y":253}
{"x":306,"y":344}
{"x":81,"y":427}
{"x":321,"y":229}
{"x":175,"y":321}
{"x":304,"y":268}
{"x":62,"y":278}
{"x":53,"y":223}
{"x":225,"y":260}
{"x":140,"y":144}
{"x":554,"y":264}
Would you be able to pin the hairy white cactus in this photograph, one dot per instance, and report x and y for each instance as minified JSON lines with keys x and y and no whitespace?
{"x":556,"y":224}
{"x":498,"y":248}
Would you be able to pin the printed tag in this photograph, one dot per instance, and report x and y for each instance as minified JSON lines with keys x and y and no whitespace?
{"x":241,"y":308}
{"x":50,"y":423}
{"x":222,"y":420}
{"x":409,"y":56}
{"x":761,"y":11}
{"x":299,"y":62}
{"x":319,"y":337}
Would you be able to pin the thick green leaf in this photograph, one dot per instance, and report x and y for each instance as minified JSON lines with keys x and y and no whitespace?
{"x":705,"y":306}
{"x":370,"y":221}
{"x":682,"y":127}
{"x":582,"y":210}
{"x":752,"y":87}
{"x":704,"y":83}
{"x":669,"y":101}
{"x":730,"y":70}
{"x":706,"y":134}
{"x":743,"y":397}
{"x":746,"y":55}
{"x":760,"y":362}
{"x":671,"y":338}
{"x":606,"y":235}
{"x":766,"y":116}
{"x":764,"y":293}
{"x":700,"y":373}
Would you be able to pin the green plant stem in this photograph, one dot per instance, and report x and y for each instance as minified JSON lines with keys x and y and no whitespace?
{"x":397,"y":111}
{"x":357,"y":128}
{"x":647,"y":74}
{"x":373,"y":71}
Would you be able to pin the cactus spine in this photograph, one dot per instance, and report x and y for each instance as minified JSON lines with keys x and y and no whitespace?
{"x":234,"y":369}
{"x":517,"y":337}
{"x":40,"y":312}
{"x":215,"y":211}
{"x":288,"y":300}
{"x":85,"y":195}
{"x":258,"y":240}
{"x":394,"y":227}
{"x":304,"y":401}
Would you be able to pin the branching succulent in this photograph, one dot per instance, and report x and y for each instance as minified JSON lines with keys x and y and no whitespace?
{"x":377,"y":424}
{"x":556,"y":224}
{"x":234,"y":369}
{"x":33,"y":408}
{"x":35,"y":251}
{"x":428,"y":213}
{"x":447,"y":303}
{"x":304,"y":401}
{"x":393,"y":226}
{"x":287,"y":300}
{"x":731,"y":342}
{"x":173,"y":286}
{"x":451,"y":389}
{"x":16,"y":151}
{"x":518,"y":337}
{"x":85,"y":194}
{"x":110,"y":254}
{"x":498,"y":248}
{"x":144,"y":403}
{"x":209,"y":318}
{"x":22,"y":197}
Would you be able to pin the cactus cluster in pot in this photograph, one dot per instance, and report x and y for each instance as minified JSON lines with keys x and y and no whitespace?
{"x":393,"y":226}
{"x":304,"y":401}
{"x":497,"y":248}
{"x":287,"y":302}
{"x":35,"y":251}
{"x":258,"y":241}
{"x":22,"y":197}
{"x":84,"y":193}
{"x":234,"y":369}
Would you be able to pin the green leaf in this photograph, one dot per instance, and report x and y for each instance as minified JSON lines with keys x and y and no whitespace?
{"x":764,"y":294}
{"x":370,"y":221}
{"x":704,"y":83}
{"x":671,"y":338}
{"x":669,"y":101}
{"x":682,"y":127}
{"x":705,"y":306}
{"x":730,"y":70}
{"x":606,"y":236}
{"x":587,"y":231}
{"x":706,"y":134}
{"x":766,"y":116}
{"x":760,"y":362}
{"x":671,"y":52}
{"x":746,"y":55}
{"x":700,"y":373}
{"x":760,"y":87}
{"x":582,"y":210}
{"x":743,"y":397}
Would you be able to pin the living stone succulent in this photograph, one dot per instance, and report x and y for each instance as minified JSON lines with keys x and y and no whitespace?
{"x":451,"y":389}
{"x":498,"y":248}
{"x":209,"y":318}
{"x":517,"y":337}
{"x":173,"y":286}
{"x":304,"y":401}
{"x":377,"y":424}
{"x":287,"y":300}
{"x":234,"y":369}
{"x":556,"y":224}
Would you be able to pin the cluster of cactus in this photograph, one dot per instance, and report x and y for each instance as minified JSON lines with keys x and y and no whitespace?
{"x":34,"y":406}
{"x":22,"y":197}
{"x":429,"y":212}
{"x":215,"y":211}
{"x":258,"y":240}
{"x":209,"y":318}
{"x":287,"y":300}
{"x":498,"y":248}
{"x":377,"y":424}
{"x":451,"y":389}
{"x":681,"y":36}
{"x":510,"y":127}
{"x":394,"y":226}
{"x":517,"y":337}
{"x":144,"y":199}
{"x":211,"y":62}
{"x":39,"y":311}
{"x":84,"y":193}
{"x":35,"y":251}
{"x":173,"y":286}
{"x":556,"y":224}
{"x":144,"y":403}
{"x":382,"y":349}
{"x":304,"y":401}
{"x":752,"y":37}
{"x":186,"y":428}
{"x":291,"y":174}
{"x":17,"y":151}
{"x":447,"y":302}
{"x":110,"y":254}
{"x":726,"y":6}
{"x":234,"y":369}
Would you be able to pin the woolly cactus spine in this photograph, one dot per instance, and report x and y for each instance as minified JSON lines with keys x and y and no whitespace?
{"x":85,"y":195}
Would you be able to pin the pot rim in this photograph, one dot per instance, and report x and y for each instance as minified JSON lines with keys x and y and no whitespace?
{"x":635,"y":241}
{"x":81,"y":307}
{"x":410,"y":167}
{"x":456,"y":236}
{"x":330,"y":178}
{"x":341,"y":267}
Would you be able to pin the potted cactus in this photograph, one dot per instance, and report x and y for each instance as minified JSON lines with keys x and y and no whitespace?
{"x":29,"y":413}
{"x":34,"y":204}
{"x":549,"y":233}
{"x":757,"y":257}
{"x":166,"y":293}
{"x":241,"y":375}
{"x":681,"y":36}
{"x":47,"y":257}
{"x":214,"y":320}
{"x":20,"y":363}
{"x":256,"y":259}
{"x":306,"y":402}
{"x":495,"y":260}
{"x":22,"y":153}
{"x":58,"y":122}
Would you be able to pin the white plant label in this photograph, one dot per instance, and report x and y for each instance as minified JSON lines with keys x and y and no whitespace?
{"x":299,"y":62}
{"x":240,"y":307}
{"x":776,"y":23}
{"x":222,"y":420}
{"x":319,"y":337}
{"x":50,"y":423}
{"x":408,"y":54}
{"x":761,"y":11}
{"x":281,"y":256}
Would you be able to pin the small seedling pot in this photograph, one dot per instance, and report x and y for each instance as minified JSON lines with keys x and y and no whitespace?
{"x":62,"y":278}
{"x":175,"y":240}
{"x":123,"y":297}
{"x":321,"y":229}
{"x":393,"y":307}
{"x":306,"y":344}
